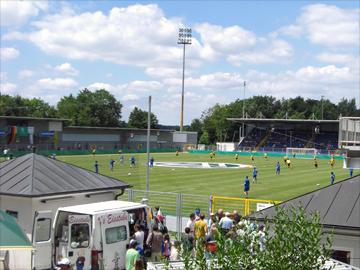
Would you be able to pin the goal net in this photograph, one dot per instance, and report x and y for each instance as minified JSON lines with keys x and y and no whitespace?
{"x":290,"y":151}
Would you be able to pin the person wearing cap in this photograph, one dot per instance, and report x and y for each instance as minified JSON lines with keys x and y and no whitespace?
{"x":226,"y":223}
{"x":131,"y":255}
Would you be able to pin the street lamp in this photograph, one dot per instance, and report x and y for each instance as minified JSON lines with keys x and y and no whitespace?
{"x":185,"y":39}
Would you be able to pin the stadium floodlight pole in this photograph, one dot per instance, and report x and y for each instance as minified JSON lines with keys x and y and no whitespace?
{"x":322,"y":107}
{"x":148,"y":151}
{"x":184,"y":39}
{"x":243,"y":113}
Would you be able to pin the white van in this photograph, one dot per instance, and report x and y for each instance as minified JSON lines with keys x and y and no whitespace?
{"x":92,"y":236}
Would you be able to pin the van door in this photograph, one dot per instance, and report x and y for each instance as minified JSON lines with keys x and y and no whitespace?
{"x":41,"y":239}
{"x":79,"y":243}
{"x":115,"y":237}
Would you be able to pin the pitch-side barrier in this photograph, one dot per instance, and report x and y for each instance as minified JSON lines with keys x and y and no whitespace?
{"x":243,"y":206}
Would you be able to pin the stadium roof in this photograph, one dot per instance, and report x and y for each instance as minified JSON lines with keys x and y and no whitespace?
{"x":308,"y":121}
{"x":129,"y":129}
{"x":33,"y":118}
{"x":33,"y":175}
{"x":338,"y":204}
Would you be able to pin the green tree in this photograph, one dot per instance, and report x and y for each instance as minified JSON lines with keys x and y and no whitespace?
{"x":204,"y":139}
{"x":196,"y":126}
{"x":292,"y":240}
{"x":347,"y":107}
{"x":19,"y":106}
{"x":139,"y":119}
{"x":98,"y":108}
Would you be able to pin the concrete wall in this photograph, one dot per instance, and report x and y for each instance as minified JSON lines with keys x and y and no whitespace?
{"x":348,"y":241}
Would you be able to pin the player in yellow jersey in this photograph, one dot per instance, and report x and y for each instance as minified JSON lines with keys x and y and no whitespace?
{"x":285,"y":159}
{"x":315,"y":162}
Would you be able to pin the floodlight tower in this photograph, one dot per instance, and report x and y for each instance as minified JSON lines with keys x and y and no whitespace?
{"x":185,"y":39}
{"x":243,"y":112}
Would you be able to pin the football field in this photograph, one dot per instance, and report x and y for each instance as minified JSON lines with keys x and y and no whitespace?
{"x":302,"y":177}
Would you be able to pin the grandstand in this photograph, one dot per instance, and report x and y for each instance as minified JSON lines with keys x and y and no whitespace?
{"x":278,"y":134}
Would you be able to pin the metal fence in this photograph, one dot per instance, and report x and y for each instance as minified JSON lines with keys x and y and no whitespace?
{"x":175,"y":206}
{"x":243,"y":206}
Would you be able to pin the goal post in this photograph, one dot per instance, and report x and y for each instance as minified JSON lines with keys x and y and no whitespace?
{"x":290,"y":151}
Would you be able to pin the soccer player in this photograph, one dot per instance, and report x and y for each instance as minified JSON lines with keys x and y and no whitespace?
{"x":285,"y":159}
{"x":246,"y":186}
{"x":332,"y":178}
{"x":255,"y":174}
{"x":152,"y":162}
{"x":236,"y":157}
{"x":332,"y":162}
{"x":252,"y":158}
{"x":132,"y":162}
{"x":94,"y":151}
{"x":278,"y":168}
{"x":315,"y":163}
{"x":112,"y":162}
{"x":122,"y":159}
{"x":351,"y":172}
{"x":177,"y":153}
{"x":288,"y":162}
{"x":96,"y":166}
{"x":265,"y":156}
{"x":211,"y":155}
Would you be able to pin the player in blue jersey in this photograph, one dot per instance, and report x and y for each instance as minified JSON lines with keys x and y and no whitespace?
{"x":277,"y":168}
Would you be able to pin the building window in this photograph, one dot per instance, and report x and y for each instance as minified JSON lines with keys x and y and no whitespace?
{"x":12,"y":213}
{"x":115,"y":234}
{"x":341,"y":255}
{"x":43,"y":227}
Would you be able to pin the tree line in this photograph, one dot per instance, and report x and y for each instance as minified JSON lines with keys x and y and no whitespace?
{"x":100,"y":108}
{"x":213,"y":125}
{"x":89,"y":108}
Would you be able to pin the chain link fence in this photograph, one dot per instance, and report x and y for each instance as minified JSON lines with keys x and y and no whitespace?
{"x":176,"y":207}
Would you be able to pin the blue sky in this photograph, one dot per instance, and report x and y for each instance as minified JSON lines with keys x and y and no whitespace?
{"x":281,"y":48}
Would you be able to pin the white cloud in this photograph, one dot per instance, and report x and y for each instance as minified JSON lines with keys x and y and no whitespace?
{"x":335,"y":58}
{"x":142,"y":86}
{"x":8,"y":53}
{"x":146,"y":39}
{"x":100,"y":85}
{"x":292,"y":30}
{"x":17,"y":13}
{"x":327,"y":25}
{"x":56,"y":83}
{"x":130,"y":97}
{"x":67,"y":68}
{"x":274,"y":51}
{"x":238,"y":45}
{"x":8,"y":88}
{"x":226,"y":40}
{"x":25,"y":73}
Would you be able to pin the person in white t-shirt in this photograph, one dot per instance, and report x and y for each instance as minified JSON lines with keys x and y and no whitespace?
{"x":191,"y":223}
{"x":139,"y":235}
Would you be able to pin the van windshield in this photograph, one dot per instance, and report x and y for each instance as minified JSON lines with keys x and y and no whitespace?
{"x":79,"y":235}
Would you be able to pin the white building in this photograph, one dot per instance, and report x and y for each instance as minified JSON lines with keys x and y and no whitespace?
{"x":34,"y":183}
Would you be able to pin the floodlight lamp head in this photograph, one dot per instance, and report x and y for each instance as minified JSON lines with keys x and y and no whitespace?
{"x":185,"y":36}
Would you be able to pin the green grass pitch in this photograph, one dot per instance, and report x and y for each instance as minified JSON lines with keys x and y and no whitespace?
{"x":300,"y":179}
